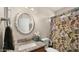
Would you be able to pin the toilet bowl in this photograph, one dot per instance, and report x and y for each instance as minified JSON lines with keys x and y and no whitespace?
{"x":48,"y":49}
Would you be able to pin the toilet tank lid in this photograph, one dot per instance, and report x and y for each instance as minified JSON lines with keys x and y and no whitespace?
{"x":45,"y":39}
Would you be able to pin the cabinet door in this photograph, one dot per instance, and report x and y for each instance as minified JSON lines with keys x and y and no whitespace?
{"x":41,"y":49}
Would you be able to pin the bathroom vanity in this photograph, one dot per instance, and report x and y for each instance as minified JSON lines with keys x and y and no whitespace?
{"x":30,"y":46}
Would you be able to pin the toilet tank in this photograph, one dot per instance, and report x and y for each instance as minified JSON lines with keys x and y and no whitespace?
{"x":46,"y":41}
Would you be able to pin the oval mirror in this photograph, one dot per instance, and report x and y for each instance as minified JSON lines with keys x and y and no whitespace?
{"x":24,"y":23}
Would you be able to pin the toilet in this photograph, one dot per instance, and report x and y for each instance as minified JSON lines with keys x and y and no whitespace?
{"x":48,"y":49}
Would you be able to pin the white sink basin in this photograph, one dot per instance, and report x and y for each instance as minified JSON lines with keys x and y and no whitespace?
{"x":27,"y":46}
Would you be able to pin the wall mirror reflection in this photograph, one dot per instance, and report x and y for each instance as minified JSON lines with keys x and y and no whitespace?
{"x":24,"y":23}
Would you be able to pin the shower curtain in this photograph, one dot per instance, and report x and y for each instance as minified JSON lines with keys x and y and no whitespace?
{"x":65,"y":32}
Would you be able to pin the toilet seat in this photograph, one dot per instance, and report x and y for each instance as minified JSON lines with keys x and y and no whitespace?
{"x":50,"y":49}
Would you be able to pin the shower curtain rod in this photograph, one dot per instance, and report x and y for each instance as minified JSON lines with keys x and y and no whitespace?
{"x":73,"y":10}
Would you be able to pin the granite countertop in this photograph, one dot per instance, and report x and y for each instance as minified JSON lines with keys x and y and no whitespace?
{"x":39,"y":44}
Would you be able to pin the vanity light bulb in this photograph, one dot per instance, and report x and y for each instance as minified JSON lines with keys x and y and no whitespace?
{"x":32,"y":9}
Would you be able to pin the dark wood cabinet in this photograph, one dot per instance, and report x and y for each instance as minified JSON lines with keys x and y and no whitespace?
{"x":41,"y":49}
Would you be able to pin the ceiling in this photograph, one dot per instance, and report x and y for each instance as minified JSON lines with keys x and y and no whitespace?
{"x":46,"y":8}
{"x":45,"y":11}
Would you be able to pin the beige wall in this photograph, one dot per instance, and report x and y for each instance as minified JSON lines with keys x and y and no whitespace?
{"x":12,"y":14}
{"x":1,"y":27}
{"x":41,"y":18}
{"x":42,"y":23}
{"x":63,"y":10}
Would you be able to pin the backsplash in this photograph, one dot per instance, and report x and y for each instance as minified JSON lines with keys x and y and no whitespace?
{"x":22,"y":40}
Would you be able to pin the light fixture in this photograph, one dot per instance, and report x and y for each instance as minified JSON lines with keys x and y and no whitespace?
{"x":31,"y":9}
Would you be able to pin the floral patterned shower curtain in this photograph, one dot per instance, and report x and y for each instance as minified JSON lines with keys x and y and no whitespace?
{"x":65,"y":32}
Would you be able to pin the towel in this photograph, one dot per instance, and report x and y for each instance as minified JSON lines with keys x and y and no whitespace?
{"x":8,"y":39}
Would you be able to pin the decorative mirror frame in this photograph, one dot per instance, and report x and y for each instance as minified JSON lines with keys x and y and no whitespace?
{"x":16,"y":21}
